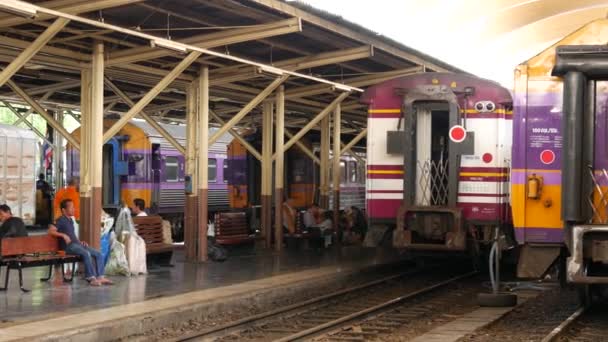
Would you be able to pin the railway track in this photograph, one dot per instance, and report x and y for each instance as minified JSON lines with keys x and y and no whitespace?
{"x":344,"y":315}
{"x":585,"y":324}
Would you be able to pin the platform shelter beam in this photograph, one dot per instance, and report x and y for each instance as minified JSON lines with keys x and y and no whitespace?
{"x":192,"y":141}
{"x":71,"y":7}
{"x":144,"y":101}
{"x":146,"y":117}
{"x":279,"y":167}
{"x":42,"y":112}
{"x":203,"y":162}
{"x":248,"y":107}
{"x":32,"y":49}
{"x":303,"y":148}
{"x":211,"y":40}
{"x":336,"y":168}
{"x":266,"y":193}
{"x":231,"y":74}
{"x":324,"y":165}
{"x":31,"y":109}
{"x":315,"y":121}
{"x":237,"y":136}
{"x":29,"y":124}
{"x":359,"y":81}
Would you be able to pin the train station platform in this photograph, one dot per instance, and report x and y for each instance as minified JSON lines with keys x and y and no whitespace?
{"x":51,"y":307}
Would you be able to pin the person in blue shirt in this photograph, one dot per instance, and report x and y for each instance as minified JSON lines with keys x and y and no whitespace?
{"x":68,"y":241}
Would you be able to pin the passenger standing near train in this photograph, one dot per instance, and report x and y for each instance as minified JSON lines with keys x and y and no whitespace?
{"x":139,"y":206}
{"x":72,"y":193}
{"x":64,"y":231}
{"x":11,"y":226}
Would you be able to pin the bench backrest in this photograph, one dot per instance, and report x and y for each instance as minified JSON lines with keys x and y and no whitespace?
{"x":227,"y":224}
{"x":29,"y":245}
{"x":150,"y":228}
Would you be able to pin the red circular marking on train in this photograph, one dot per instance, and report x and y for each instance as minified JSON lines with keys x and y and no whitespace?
{"x":487,"y":158}
{"x":458,"y":133}
{"x":547,"y":157}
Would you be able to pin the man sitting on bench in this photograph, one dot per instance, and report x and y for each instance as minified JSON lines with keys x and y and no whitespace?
{"x":68,"y":241}
{"x":11,"y":226}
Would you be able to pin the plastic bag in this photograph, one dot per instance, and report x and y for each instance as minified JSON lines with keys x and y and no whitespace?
{"x":136,"y":253}
{"x":105,"y":247}
{"x":124,"y":222}
{"x":117,"y":263}
{"x":107,"y":223}
{"x":167,"y":232}
{"x":216,"y":252}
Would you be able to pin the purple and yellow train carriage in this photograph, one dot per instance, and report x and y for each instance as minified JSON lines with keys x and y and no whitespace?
{"x":139,"y":163}
{"x":560,"y":158}
{"x":439,"y":149}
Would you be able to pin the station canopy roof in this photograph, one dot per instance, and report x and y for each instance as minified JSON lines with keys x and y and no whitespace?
{"x":321,"y":48}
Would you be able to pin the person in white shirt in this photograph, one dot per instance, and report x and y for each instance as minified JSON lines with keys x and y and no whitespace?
{"x":139,"y":206}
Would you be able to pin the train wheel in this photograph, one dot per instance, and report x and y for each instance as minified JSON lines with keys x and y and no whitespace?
{"x":496,"y":299}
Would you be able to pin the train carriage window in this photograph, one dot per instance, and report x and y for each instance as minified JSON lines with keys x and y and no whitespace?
{"x":342,"y":172}
{"x":225,"y":174}
{"x":212,"y":167}
{"x":352,"y":171}
{"x":172,"y":169}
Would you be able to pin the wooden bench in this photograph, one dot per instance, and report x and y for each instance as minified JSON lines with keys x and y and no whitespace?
{"x":32,"y":251}
{"x":232,"y":228}
{"x":150,"y":228}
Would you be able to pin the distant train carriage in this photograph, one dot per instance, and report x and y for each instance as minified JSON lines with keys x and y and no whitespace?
{"x":560,"y":164}
{"x":438,"y":149}
{"x":139,"y":163}
{"x":301,"y":177}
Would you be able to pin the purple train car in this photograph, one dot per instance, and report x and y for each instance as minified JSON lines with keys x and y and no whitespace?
{"x":139,"y":163}
{"x":560,"y":160}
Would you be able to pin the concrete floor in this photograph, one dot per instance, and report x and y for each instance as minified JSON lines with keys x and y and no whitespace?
{"x":55,"y":298}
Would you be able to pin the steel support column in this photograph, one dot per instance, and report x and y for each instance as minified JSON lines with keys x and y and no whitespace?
{"x":324,"y":168}
{"x":203,"y":162}
{"x":278,"y":178}
{"x":91,"y":200}
{"x":336,"y":169}
{"x":85,"y":134}
{"x":192,"y":139}
{"x":266,"y":195}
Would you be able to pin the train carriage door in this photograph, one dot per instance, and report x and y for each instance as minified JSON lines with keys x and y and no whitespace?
{"x":429,"y":215}
{"x":113,"y":168}
{"x":431,"y":187}
{"x":156,"y":179}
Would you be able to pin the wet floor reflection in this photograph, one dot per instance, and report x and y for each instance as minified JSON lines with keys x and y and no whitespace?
{"x":56,"y":298}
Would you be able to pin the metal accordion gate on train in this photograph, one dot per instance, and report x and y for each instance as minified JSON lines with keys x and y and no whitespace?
{"x":453,"y":131}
